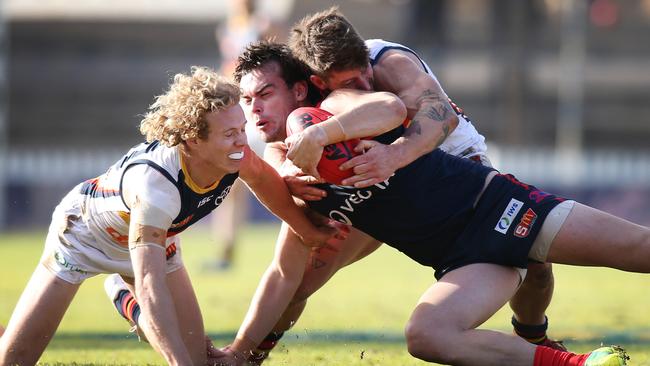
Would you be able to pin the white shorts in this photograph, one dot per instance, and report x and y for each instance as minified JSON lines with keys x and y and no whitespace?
{"x":73,"y":254}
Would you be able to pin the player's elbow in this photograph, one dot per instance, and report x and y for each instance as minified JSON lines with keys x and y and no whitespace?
{"x":394,"y":107}
{"x":451,"y":123}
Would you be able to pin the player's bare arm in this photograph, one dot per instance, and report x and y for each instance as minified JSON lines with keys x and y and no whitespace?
{"x":300,"y":185}
{"x":432,"y":119}
{"x":147,"y":248}
{"x":357,"y":114}
{"x":267,"y":185}
{"x":274,"y":292}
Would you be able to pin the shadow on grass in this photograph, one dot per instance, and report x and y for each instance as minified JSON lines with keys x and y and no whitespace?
{"x":128,"y":340}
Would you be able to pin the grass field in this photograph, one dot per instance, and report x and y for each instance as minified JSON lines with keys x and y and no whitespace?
{"x":357,"y":319}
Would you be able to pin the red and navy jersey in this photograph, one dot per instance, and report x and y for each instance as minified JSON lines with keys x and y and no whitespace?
{"x":420,"y":210}
{"x":431,"y":211}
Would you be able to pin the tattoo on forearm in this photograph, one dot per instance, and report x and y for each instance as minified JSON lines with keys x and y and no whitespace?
{"x":437,"y":107}
{"x":414,"y":128}
{"x":445,"y":134}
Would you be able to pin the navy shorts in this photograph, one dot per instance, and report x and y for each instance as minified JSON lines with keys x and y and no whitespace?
{"x":502,"y":228}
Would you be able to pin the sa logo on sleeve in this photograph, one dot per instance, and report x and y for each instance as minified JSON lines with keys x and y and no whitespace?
{"x":527,"y":221}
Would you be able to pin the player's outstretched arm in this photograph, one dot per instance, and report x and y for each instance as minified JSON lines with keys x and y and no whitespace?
{"x":147,"y":238}
{"x":274,"y":292}
{"x":357,"y":114}
{"x":427,"y":105}
{"x":147,"y":247}
{"x":270,"y":189}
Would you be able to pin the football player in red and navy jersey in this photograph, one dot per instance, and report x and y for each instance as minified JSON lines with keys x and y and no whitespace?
{"x":340,"y":58}
{"x":456,"y":208}
{"x":434,"y":122}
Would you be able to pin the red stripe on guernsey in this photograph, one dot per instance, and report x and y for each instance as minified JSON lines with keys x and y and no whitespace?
{"x":93,"y":188}
{"x":171,"y":250}
{"x":456,"y":108}
{"x":180,"y":226}
{"x":545,"y":356}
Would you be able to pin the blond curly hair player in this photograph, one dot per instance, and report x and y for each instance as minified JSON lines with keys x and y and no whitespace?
{"x":126,"y":222}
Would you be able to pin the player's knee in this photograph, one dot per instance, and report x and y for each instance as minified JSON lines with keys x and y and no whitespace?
{"x":429,"y":343}
{"x":539,"y":276}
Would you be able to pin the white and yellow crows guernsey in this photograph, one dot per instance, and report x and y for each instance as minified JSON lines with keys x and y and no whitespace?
{"x":89,"y":230}
{"x":464,"y":141}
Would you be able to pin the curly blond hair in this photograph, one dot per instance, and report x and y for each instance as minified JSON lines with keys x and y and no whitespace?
{"x":178,"y":115}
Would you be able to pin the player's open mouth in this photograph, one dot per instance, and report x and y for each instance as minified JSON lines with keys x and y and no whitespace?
{"x":236,"y":155}
{"x":260,"y":124}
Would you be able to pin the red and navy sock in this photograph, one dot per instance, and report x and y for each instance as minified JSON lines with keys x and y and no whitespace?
{"x":545,"y":356}
{"x":264,"y":348}
{"x":127,"y":306}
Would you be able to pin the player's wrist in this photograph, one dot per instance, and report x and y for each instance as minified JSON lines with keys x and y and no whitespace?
{"x":398,"y":155}
{"x":333,"y":130}
{"x":242,"y":346}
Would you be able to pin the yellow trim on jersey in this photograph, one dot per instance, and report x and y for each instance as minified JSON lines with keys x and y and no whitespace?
{"x":190,"y":183}
{"x":125,"y":216}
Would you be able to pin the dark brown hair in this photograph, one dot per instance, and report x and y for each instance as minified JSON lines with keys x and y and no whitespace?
{"x":327,"y":41}
{"x":292,"y":70}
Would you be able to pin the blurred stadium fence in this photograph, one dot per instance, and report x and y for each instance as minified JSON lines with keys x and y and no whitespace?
{"x":35,"y":180}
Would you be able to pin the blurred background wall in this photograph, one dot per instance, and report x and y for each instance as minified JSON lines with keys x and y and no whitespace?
{"x":560,"y":88}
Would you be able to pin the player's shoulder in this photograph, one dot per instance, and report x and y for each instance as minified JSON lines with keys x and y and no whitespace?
{"x":379,"y":49}
{"x":378,"y":44}
{"x":167,"y":158}
{"x":152,"y":161}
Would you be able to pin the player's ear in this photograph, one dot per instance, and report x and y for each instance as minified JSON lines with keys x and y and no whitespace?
{"x":300,"y":90}
{"x":318,"y":82}
{"x":191,"y":144}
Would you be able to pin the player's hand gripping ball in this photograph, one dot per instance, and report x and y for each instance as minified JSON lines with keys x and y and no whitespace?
{"x":334,"y":154}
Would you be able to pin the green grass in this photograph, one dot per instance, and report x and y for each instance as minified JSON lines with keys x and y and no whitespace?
{"x":357,"y":319}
